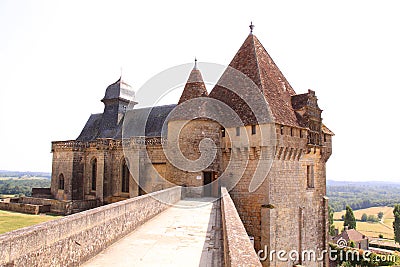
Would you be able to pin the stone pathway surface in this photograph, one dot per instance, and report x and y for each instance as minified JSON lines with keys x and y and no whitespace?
{"x":189,"y":235}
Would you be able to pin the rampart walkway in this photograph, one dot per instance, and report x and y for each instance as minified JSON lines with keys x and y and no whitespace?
{"x":187,"y":234}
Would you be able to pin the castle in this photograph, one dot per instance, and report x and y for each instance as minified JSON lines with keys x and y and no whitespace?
{"x":271,"y":128}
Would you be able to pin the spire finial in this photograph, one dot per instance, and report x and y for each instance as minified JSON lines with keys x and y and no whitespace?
{"x":195,"y":63}
{"x":120,"y":73}
{"x":251,"y":27}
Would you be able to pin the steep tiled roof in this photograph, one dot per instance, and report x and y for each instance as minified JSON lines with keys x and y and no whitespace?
{"x":350,"y":234}
{"x":253,"y":60}
{"x":194,"y":87}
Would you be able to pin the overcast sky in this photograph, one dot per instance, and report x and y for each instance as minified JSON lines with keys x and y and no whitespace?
{"x":58,"y":57}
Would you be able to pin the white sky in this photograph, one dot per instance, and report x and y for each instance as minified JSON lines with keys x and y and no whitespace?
{"x":57,"y":58}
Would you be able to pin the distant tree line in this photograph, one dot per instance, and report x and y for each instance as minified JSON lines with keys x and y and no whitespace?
{"x":21,"y":187}
{"x":362,"y":196}
{"x":20,"y":174}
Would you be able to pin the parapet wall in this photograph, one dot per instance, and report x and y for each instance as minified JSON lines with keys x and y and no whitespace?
{"x":238,"y":250}
{"x":74,"y":239}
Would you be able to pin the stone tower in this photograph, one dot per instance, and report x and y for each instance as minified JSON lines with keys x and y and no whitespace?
{"x":289,"y":209}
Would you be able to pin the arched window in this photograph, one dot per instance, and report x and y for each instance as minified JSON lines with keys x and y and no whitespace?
{"x":93,"y":165}
{"x":125,"y":178}
{"x":61,"y":182}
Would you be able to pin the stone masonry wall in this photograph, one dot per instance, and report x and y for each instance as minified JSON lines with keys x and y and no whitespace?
{"x":74,"y":239}
{"x":283,"y":213}
{"x":189,"y":140}
{"x":24,"y":208}
{"x":238,"y":250}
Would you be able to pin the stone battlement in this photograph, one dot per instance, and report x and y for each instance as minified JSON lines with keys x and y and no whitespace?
{"x":106,"y":143}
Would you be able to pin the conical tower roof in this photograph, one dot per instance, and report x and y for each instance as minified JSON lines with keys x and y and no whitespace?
{"x":253,"y":60}
{"x":195,"y":86}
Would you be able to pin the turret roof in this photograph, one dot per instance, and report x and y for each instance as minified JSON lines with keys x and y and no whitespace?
{"x":194,"y":87}
{"x":253,"y":60}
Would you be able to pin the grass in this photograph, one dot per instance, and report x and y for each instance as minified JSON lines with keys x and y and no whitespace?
{"x":10,"y":221}
{"x":370,"y":229}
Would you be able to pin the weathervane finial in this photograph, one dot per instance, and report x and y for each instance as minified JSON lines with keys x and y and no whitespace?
{"x":251,"y":27}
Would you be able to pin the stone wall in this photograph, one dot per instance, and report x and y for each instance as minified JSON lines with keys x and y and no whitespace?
{"x":186,"y":138}
{"x":74,"y":239}
{"x":238,"y":250}
{"x":24,"y":208}
{"x":62,"y":207}
{"x":41,"y":192}
{"x":284,"y":213}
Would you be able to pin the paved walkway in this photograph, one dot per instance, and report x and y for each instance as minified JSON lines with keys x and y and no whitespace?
{"x":180,"y":236}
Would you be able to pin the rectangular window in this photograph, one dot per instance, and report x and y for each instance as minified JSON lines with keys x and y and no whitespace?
{"x":310,"y":176}
{"x":223,"y":132}
{"x":237,"y":131}
{"x":253,"y":129}
{"x":282,"y":130}
{"x":301,"y":133}
{"x":291,"y":131}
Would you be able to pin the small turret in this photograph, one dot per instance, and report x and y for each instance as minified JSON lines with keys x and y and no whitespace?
{"x":116,"y":101}
{"x":195,"y":86}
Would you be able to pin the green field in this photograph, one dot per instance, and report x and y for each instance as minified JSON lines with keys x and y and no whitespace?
{"x":13,"y":220}
{"x":371,"y":229}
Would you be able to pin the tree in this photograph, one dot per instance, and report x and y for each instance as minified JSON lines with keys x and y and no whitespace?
{"x":331,"y":225}
{"x":396,"y":223}
{"x":380,"y":215}
{"x":349,"y":219}
{"x":372,"y":218}
{"x":364,"y":217}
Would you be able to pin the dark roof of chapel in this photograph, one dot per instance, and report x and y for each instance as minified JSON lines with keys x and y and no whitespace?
{"x":152,"y":117}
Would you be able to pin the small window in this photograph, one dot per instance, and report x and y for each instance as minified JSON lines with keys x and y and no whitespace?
{"x":61,"y":182}
{"x":94,"y":174}
{"x":253,"y":129}
{"x":310,"y":176}
{"x":291,"y":131}
{"x":301,"y":133}
{"x":223,"y":132}
{"x":325,"y":138}
{"x":237,"y":131}
{"x":125,"y":178}
{"x":282,"y":128}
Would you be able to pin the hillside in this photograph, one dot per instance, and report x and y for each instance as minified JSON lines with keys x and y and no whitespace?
{"x":361,"y":195}
{"x":368,"y":228}
{"x":14,"y":183}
